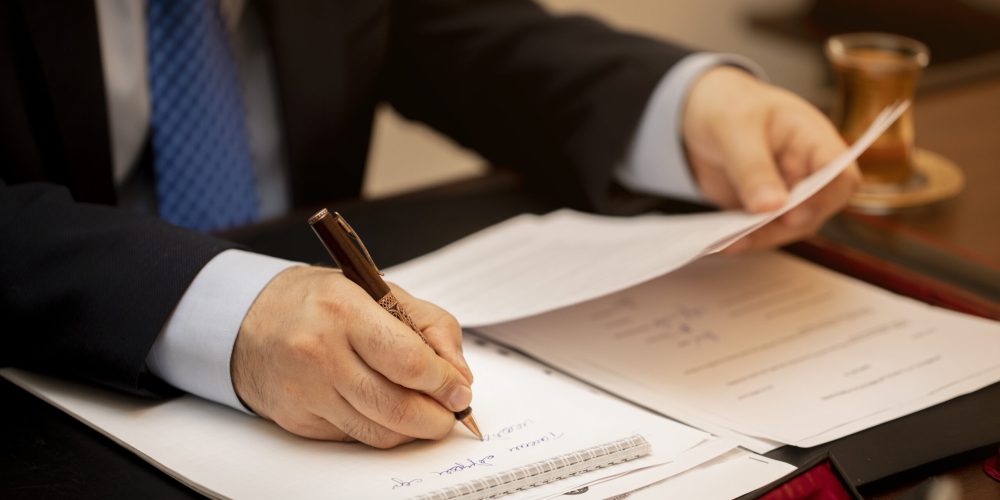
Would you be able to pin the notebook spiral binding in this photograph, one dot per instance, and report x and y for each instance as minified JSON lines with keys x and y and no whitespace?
{"x":545,"y":471}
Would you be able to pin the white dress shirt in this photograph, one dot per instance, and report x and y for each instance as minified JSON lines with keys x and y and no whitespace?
{"x":193,"y":351}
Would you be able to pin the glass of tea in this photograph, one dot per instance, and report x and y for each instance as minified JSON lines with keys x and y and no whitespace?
{"x":873,"y":71}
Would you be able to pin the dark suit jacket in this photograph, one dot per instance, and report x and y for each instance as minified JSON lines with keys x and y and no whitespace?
{"x":85,"y":288}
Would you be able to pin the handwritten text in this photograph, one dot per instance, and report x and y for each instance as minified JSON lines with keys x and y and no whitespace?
{"x":550,"y":436}
{"x":467,"y":464}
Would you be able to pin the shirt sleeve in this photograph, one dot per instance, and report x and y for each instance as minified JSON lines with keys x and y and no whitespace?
{"x":656,"y":162}
{"x":194,"y":349}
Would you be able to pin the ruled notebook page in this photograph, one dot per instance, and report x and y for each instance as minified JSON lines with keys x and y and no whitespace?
{"x":527,"y":414}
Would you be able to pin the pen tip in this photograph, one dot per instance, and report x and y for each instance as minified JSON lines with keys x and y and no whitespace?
{"x":470,"y":423}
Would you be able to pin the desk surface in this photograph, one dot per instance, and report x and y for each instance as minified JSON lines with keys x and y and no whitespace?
{"x":963,"y":123}
{"x":958,"y":240}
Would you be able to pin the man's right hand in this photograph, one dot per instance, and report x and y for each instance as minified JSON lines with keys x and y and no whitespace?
{"x":319,"y":357}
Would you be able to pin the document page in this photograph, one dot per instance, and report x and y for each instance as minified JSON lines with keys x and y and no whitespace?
{"x":495,"y":275}
{"x":768,"y":346}
{"x":729,"y":476}
{"x":526,"y":412}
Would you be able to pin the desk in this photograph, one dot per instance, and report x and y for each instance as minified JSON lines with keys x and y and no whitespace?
{"x":47,"y":453}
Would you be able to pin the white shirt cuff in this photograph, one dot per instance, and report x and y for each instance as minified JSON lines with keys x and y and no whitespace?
{"x":194,"y":349}
{"x":656,"y":163}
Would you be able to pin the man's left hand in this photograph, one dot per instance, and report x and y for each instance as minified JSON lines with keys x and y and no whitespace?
{"x":748,"y":142}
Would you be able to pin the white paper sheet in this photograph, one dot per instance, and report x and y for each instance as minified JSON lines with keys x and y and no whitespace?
{"x":636,"y":479}
{"x":527,"y":413}
{"x":729,"y":476}
{"x":532,"y":264}
{"x":766,"y":345}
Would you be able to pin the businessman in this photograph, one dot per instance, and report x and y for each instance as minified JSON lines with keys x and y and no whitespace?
{"x":132,"y":130}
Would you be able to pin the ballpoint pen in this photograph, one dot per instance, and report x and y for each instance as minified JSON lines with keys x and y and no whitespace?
{"x":345,"y":247}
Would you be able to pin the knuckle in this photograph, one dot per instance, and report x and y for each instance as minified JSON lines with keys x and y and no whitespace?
{"x":381,"y":339}
{"x":299,"y":429}
{"x":383,"y":439}
{"x":359,"y":431}
{"x":412,"y":364}
{"x":331,"y":298}
{"x":451,"y":324}
{"x":400,"y":412}
{"x":755,"y":176}
{"x":305,"y":349}
{"x":445,"y":387}
{"x":366,"y":389}
{"x":336,"y":434}
{"x":294,"y":426}
{"x":332,"y":305}
{"x":393,"y":440}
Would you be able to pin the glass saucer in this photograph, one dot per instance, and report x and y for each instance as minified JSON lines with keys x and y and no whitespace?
{"x":935,"y":178}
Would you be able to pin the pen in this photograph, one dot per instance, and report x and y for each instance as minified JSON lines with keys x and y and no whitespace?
{"x":345,"y":247}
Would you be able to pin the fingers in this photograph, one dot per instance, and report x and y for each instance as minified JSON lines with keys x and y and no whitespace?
{"x":338,"y":421}
{"x":752,"y":172}
{"x":812,"y":145}
{"x":804,"y":220}
{"x":378,"y":411}
{"x":440,"y":328}
{"x":807,"y":139}
{"x":824,"y":204}
{"x":391,"y":349}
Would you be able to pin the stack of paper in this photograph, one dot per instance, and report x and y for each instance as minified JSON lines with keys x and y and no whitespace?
{"x":765,"y":349}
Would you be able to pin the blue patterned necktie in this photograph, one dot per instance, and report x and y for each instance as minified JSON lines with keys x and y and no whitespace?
{"x":201,"y":151}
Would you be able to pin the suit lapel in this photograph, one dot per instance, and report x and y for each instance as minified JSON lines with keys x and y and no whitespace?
{"x":65,"y":39}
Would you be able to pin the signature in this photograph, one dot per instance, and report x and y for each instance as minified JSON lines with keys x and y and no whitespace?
{"x":404,"y":484}
{"x":467,"y":464}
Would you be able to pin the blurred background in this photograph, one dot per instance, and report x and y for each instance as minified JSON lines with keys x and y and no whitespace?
{"x":783,"y":36}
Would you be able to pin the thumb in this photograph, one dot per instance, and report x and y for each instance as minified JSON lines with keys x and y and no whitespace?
{"x":447,"y":385}
{"x":750,"y":167}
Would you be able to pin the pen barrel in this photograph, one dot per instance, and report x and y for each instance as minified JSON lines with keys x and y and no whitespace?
{"x":349,"y":258}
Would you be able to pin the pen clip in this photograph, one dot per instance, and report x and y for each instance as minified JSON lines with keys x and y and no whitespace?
{"x":356,"y":240}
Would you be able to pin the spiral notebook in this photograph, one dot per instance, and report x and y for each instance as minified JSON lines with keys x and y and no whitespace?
{"x":540,"y":428}
{"x":546,"y":471}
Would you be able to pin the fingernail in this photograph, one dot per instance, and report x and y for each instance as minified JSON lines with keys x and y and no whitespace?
{"x":460,"y":398}
{"x":798,"y":217}
{"x":767,"y":198}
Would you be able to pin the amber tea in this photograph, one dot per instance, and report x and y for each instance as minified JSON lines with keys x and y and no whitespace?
{"x":874,"y":70}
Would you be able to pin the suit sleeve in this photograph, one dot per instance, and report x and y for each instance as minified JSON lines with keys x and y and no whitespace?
{"x":85,"y":289}
{"x":557,"y":97}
